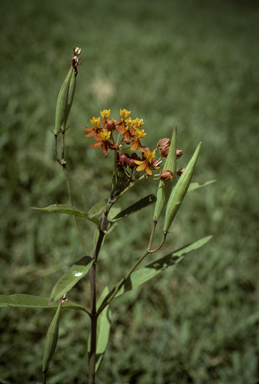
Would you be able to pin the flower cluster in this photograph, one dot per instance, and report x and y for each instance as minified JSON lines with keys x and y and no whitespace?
{"x":129,"y":136}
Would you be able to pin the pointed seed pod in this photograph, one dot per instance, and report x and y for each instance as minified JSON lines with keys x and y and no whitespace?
{"x":164,"y":189}
{"x":61,"y":108}
{"x":71,"y":92}
{"x":179,"y":191}
{"x":51,"y":339}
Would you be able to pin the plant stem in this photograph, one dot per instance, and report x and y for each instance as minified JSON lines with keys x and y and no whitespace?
{"x":94,"y":314}
{"x":44,"y":377}
{"x":148,"y":251}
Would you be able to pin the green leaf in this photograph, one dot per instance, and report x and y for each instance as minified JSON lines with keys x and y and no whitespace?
{"x":96,"y":210}
{"x":71,"y":278}
{"x":150,"y":199}
{"x":103,"y":330}
{"x":51,"y":339}
{"x":29,"y":301}
{"x":149,"y":271}
{"x":194,"y":186}
{"x":69,"y":210}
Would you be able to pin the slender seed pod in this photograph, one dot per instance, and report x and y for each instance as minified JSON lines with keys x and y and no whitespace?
{"x":71,"y":92}
{"x":51,"y":339}
{"x":164,"y":189}
{"x":180,"y":190}
{"x":61,"y":108}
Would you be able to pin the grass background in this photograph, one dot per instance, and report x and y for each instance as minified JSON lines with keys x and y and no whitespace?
{"x":194,"y":64}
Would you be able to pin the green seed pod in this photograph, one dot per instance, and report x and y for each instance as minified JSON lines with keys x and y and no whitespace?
{"x":71,"y":92}
{"x":62,"y":101}
{"x":179,"y":191}
{"x":164,"y":189}
{"x":51,"y":339}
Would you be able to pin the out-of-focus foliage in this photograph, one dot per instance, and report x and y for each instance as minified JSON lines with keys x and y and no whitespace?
{"x":191,"y":63}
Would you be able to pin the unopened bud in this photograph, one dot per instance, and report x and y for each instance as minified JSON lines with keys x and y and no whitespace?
{"x":179,"y":153}
{"x":180,"y":171}
{"x":164,"y":146}
{"x":166,"y":175}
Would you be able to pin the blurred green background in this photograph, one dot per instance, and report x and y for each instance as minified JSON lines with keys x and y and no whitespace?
{"x":192,"y":63}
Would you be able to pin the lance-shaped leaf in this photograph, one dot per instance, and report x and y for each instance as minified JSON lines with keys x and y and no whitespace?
{"x":29,"y":301}
{"x":164,"y":189}
{"x":150,"y":199}
{"x":71,"y":278}
{"x":51,"y":339}
{"x":196,"y":185}
{"x":179,"y":191}
{"x":69,"y":210}
{"x":151,"y":270}
{"x":103,"y":330}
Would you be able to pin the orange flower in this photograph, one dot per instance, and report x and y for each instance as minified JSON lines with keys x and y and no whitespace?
{"x":139,"y":134}
{"x":103,"y":141}
{"x":148,"y":163}
{"x":93,"y":131}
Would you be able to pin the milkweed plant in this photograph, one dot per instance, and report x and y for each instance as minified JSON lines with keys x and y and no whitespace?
{"x":122,"y":138}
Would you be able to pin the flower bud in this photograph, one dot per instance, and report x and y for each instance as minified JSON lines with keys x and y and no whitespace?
{"x":179,"y":153}
{"x":164,"y":147}
{"x":110,"y":125}
{"x":180,"y":171}
{"x":166,"y":175}
{"x":179,"y":191}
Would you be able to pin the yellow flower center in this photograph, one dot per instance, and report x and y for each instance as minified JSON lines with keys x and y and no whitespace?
{"x":106,"y":113}
{"x":124,"y":113}
{"x":149,"y":155}
{"x":139,"y":133}
{"x":129,"y":123}
{"x":95,"y":122}
{"x":105,"y":135}
{"x":138,"y":122}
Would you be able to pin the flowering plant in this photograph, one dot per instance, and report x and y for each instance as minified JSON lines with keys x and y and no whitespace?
{"x":133,"y":161}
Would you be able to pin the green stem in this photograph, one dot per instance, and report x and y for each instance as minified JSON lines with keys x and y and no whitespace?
{"x":44,"y":377}
{"x":148,"y":251}
{"x":94,"y":314}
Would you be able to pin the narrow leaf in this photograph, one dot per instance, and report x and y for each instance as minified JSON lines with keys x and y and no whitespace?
{"x":71,"y":278}
{"x":194,"y":186}
{"x":103,"y":330}
{"x":29,"y":301}
{"x":149,"y":271}
{"x":150,"y":199}
{"x":69,"y":210}
{"x":51,"y":339}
